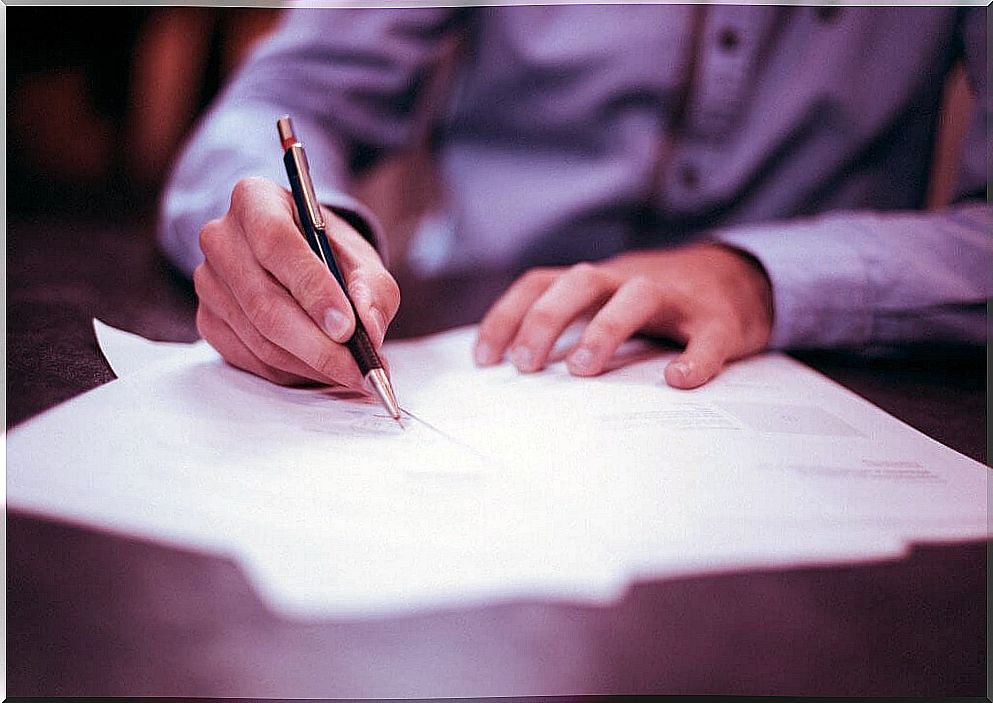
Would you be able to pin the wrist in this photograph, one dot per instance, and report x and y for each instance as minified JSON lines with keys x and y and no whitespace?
{"x":753,"y":283}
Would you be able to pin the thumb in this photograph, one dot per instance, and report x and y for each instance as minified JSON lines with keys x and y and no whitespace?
{"x":376,"y":297}
{"x":705,"y":355}
{"x":373,"y":291}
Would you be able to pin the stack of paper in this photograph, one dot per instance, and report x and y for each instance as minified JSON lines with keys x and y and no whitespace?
{"x":500,"y":485}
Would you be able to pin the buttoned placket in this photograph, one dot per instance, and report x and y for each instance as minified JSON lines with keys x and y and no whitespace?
{"x":726,"y":47}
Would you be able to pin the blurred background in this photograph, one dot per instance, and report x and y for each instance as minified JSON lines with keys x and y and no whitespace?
{"x":100,"y":98}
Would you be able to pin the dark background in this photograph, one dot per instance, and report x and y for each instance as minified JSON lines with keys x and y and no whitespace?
{"x":100,"y":98}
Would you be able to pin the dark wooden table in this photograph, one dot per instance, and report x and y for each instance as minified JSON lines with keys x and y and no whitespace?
{"x":95,"y":614}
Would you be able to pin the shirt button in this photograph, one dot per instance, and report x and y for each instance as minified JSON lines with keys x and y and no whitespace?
{"x":728,"y":39}
{"x":689,"y":176}
{"x":828,"y":13}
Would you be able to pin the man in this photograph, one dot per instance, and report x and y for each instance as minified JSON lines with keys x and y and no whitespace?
{"x":732,"y":178}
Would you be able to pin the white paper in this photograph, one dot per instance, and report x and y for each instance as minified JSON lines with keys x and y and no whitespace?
{"x":508,"y":485}
{"x":129,"y":353}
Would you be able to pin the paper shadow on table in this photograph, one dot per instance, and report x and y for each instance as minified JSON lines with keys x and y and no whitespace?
{"x":178,"y":622}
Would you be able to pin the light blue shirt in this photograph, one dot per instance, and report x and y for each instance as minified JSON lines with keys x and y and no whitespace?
{"x":802,"y":135}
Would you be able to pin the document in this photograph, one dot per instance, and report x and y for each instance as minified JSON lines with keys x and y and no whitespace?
{"x":498,"y":486}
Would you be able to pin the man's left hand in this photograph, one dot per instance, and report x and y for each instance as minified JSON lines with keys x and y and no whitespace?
{"x":714,"y":299}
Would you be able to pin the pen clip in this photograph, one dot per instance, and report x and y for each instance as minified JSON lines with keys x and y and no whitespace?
{"x":294,"y":150}
{"x":299,"y":157}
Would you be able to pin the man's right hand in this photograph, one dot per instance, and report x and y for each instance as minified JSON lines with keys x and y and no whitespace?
{"x":271,"y":307}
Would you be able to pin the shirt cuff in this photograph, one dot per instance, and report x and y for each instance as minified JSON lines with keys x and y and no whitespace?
{"x":820,"y":284}
{"x":360,"y":217}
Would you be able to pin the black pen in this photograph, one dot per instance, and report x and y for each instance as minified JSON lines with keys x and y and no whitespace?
{"x":314,"y":231}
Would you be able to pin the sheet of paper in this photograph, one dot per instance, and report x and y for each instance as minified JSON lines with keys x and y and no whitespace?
{"x":129,"y":353}
{"x":513,"y":486}
{"x":768,"y":441}
{"x":330,"y":505}
{"x":635,"y":422}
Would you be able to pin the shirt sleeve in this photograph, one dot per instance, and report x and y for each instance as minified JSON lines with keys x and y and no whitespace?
{"x":874,"y":280}
{"x":350,"y":80}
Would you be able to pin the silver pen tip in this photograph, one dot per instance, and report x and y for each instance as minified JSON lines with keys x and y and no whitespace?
{"x":380,"y":383}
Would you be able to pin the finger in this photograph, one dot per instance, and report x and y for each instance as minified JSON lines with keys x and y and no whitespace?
{"x":265,"y":213}
{"x":376,"y":297}
{"x":705,"y":355}
{"x":371,"y":287}
{"x":220,"y":336}
{"x":501,"y":322}
{"x":273,"y":312}
{"x":216,"y":298}
{"x":635,"y":303}
{"x":572,"y":293}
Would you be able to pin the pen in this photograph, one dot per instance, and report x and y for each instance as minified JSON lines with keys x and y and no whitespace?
{"x":314,"y":231}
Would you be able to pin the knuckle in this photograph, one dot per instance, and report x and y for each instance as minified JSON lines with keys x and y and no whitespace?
{"x":538,"y":275}
{"x":211,"y":237}
{"x":265,"y":235}
{"x":312,"y":282}
{"x":641,"y":287}
{"x":641,"y":292}
{"x":584,"y":273}
{"x":531,"y":275}
{"x":540,"y":318}
{"x":241,"y":193}
{"x":262,"y":312}
{"x":245,"y":189}
{"x":606,"y":328}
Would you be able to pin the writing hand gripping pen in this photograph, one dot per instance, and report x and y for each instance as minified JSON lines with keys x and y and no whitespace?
{"x":315,"y":232}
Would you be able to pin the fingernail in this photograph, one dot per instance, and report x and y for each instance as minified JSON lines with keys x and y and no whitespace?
{"x":679,"y":370}
{"x":484,"y":354}
{"x":523,"y":358}
{"x":360,"y":296}
{"x":581,"y":360}
{"x":336,"y":324}
{"x":379,"y":324}
{"x":359,"y":291}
